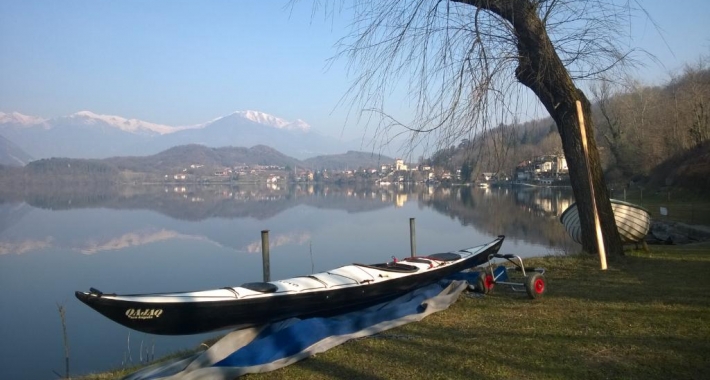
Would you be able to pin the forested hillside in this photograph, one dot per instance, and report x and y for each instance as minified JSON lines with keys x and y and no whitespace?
{"x":642,"y":126}
{"x":349,"y":160}
{"x":637,"y":128}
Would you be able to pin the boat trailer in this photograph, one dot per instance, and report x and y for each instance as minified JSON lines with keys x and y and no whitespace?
{"x":532,"y":282}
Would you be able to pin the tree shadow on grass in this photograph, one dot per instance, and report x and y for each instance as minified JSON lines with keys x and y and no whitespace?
{"x":637,"y":279}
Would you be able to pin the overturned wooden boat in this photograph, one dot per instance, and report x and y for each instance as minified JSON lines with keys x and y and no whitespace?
{"x":632,"y":221}
{"x":329,"y":293}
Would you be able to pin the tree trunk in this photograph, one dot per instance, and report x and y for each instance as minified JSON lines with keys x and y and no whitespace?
{"x":541,"y":70}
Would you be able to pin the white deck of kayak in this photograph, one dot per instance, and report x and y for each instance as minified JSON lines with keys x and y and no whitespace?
{"x":345,"y":276}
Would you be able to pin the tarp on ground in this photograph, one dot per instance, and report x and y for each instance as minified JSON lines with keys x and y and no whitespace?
{"x":270,"y":347}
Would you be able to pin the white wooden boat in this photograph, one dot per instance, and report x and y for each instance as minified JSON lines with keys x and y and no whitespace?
{"x":633,"y":221}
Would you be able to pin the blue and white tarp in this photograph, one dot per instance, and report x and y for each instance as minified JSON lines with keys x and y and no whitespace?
{"x":267,"y":348}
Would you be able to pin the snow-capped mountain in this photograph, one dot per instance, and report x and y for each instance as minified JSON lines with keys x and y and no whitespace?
{"x":249,"y":128}
{"x":88,"y":135}
{"x":19,"y":119}
{"x":273,"y":121}
{"x":126,"y":125}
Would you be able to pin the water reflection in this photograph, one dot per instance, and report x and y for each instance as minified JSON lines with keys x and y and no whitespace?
{"x":527,"y":214}
{"x":279,"y":240}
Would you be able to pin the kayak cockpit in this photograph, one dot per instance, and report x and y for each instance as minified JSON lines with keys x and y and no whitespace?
{"x":391,"y":267}
{"x":261,"y":287}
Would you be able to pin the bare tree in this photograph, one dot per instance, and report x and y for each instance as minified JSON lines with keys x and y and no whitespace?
{"x":696,"y":92}
{"x":613,"y":127}
{"x":463,"y":62}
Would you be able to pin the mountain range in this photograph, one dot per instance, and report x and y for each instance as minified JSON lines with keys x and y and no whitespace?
{"x":88,"y":135}
{"x":176,"y":158}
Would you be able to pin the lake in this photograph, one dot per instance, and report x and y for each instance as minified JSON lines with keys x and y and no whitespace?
{"x":177,"y":238}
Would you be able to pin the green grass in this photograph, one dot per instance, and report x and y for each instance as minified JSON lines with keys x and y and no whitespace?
{"x":647,"y":317}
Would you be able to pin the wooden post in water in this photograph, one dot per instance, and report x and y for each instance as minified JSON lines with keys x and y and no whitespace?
{"x":412,"y":237}
{"x":597,"y":224}
{"x":265,"y":255}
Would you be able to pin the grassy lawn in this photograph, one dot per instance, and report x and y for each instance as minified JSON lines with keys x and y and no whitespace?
{"x":647,"y":317}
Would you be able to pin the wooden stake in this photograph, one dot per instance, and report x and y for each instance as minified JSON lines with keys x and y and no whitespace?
{"x":597,"y":224}
{"x":412,"y":237}
{"x":265,"y":261}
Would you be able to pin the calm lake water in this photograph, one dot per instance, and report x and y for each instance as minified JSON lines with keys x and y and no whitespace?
{"x":158,"y":239}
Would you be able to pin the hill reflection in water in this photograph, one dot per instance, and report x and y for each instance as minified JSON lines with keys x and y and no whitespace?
{"x":526,"y":214}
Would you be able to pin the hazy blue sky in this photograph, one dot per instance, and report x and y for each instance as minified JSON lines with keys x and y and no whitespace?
{"x":184,"y":62}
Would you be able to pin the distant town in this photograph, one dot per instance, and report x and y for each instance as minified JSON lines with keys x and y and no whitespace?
{"x":548,"y":170}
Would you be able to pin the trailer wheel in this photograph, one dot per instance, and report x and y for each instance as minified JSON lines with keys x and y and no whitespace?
{"x":535,"y":285}
{"x":484,"y":284}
